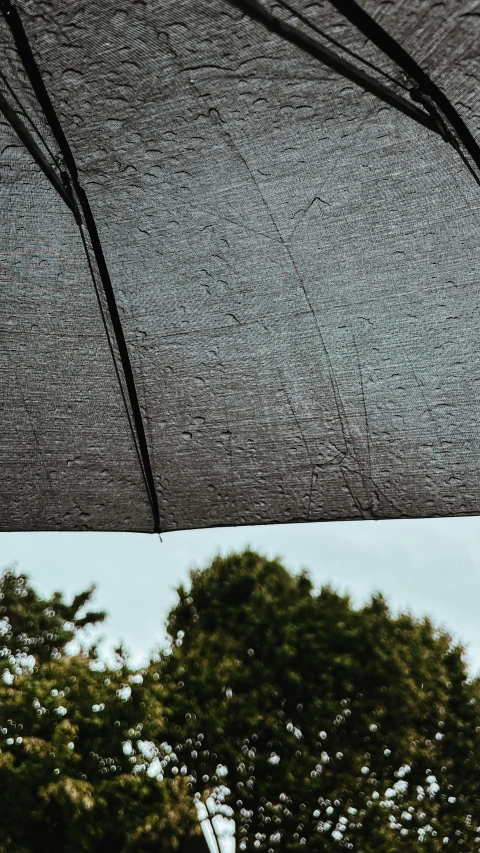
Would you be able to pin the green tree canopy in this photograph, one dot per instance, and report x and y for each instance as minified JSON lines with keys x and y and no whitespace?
{"x":330,"y":726}
{"x":318,"y":725}
{"x":79,"y":765}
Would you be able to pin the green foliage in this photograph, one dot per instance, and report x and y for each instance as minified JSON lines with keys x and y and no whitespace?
{"x":337,"y":726}
{"x":319,"y":726}
{"x":37,"y":626}
{"x":78,"y":739}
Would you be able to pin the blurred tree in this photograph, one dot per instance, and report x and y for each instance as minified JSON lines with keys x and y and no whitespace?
{"x":317,"y":725}
{"x":323,"y":726}
{"x":79,"y":762}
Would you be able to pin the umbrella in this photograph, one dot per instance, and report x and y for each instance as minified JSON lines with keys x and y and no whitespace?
{"x":239,"y":262}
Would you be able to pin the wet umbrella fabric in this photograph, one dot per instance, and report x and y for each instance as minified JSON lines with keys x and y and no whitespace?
{"x":239,"y":263}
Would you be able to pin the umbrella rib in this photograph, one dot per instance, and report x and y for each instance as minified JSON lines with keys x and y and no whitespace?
{"x":254,"y":10}
{"x":357,"y":16}
{"x":31,"y":145}
{"x":31,"y":122}
{"x":309,"y":23}
{"x":33,"y":73}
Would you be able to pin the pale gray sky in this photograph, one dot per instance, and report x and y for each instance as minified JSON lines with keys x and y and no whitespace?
{"x":429,"y":566}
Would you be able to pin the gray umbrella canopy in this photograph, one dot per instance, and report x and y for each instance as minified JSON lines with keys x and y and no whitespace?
{"x":239,"y":262}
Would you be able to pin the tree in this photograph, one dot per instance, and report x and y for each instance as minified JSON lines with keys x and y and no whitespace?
{"x":79,"y":761}
{"x":322,"y":725}
{"x":319,"y":726}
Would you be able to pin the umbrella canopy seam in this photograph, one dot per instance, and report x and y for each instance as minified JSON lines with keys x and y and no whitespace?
{"x":34,"y":149}
{"x":311,"y":46}
{"x":309,"y":23}
{"x":425,"y":87}
{"x":438,"y":115}
{"x":29,"y":119}
{"x":84,"y":213}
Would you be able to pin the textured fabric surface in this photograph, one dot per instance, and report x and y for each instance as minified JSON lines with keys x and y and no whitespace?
{"x":295,"y":263}
{"x":444,"y":39}
{"x":67,"y":456}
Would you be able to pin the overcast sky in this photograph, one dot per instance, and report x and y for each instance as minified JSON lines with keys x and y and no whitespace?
{"x":427,"y":566}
